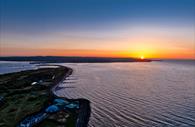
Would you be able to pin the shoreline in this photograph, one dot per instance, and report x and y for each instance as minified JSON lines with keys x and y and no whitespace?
{"x":53,"y":89}
{"x":74,"y":108}
{"x":85,"y":110}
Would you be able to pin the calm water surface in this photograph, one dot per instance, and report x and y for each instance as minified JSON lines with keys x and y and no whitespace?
{"x":158,"y":94}
{"x":12,"y":66}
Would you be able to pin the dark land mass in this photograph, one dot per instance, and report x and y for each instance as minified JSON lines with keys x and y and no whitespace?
{"x":25,"y":94}
{"x":59,"y":59}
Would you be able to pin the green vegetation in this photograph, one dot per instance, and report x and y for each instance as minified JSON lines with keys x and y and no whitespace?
{"x":66,"y":119}
{"x":28,"y":92}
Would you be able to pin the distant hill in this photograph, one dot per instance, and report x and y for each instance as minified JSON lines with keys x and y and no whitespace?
{"x":61,"y":59}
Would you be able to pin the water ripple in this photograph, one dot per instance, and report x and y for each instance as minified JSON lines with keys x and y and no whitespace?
{"x":134,"y":94}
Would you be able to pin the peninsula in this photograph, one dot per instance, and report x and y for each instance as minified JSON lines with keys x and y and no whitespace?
{"x":26,"y":99}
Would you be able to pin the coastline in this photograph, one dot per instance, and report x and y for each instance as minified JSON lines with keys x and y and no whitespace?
{"x":85,"y":110}
{"x":72,"y":109}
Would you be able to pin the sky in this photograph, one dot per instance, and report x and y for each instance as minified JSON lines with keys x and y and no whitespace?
{"x":163,"y":29}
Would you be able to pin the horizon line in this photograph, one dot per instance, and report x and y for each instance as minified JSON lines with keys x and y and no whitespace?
{"x":105,"y":57}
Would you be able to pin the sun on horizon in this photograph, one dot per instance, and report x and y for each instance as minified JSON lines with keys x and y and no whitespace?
{"x":142,"y":57}
{"x":98,"y":28}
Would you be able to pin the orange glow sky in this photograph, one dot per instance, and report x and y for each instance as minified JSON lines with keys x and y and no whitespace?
{"x":155,"y":43}
{"x":165,"y":30}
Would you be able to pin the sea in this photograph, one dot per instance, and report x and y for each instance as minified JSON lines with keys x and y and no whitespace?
{"x":132,"y":94}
